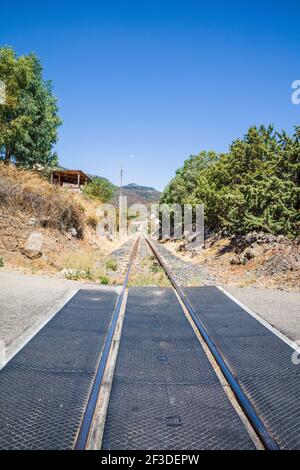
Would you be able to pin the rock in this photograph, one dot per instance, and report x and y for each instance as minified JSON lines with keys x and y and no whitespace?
{"x":34,"y":222}
{"x":250,"y":238}
{"x":73,"y":232}
{"x":249,"y":253}
{"x":253,"y":251}
{"x":33,"y":245}
{"x":44,"y":222}
{"x":225,"y":233}
{"x":181,"y":247}
{"x":266,"y":238}
{"x":237,"y":260}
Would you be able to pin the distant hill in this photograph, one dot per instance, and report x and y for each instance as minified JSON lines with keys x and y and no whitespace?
{"x":99,"y":177}
{"x":137,"y":194}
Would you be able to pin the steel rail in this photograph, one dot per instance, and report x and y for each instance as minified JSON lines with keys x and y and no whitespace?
{"x":245,"y":403}
{"x":86,"y":422}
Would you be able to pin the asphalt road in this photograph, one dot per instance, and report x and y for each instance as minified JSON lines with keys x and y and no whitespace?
{"x":279,"y":308}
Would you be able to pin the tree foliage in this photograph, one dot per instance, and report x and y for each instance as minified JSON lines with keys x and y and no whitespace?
{"x":28,"y":118}
{"x":255,"y":186}
{"x":99,"y":189}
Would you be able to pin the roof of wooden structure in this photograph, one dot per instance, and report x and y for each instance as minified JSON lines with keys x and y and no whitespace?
{"x":71,"y":176}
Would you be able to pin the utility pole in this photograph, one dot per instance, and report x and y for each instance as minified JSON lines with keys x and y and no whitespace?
{"x":121,"y":186}
{"x":122,"y":210}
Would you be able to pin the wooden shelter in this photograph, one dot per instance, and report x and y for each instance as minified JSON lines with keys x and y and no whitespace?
{"x":73,"y":179}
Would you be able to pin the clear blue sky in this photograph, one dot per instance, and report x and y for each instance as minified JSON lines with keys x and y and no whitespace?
{"x":159,"y":80}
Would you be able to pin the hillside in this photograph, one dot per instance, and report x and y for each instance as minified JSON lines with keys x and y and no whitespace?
{"x":137,"y":194}
{"x":47,"y":229}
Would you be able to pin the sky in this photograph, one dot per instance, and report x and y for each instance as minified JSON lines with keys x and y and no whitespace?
{"x":145,"y":84}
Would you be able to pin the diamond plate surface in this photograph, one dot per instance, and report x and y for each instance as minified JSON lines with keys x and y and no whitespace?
{"x":260,"y":360}
{"x":45,"y":387}
{"x":165,"y":394}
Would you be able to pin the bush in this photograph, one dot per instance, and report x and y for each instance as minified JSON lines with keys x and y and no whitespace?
{"x":255,"y":186}
{"x":1,"y":262}
{"x":92,"y":220}
{"x":112,"y":265}
{"x":104,"y":280}
{"x":75,"y":275}
{"x":155,"y":269}
{"x":99,"y":189}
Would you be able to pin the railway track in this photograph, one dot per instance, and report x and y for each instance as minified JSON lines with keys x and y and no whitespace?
{"x":161,"y":368}
{"x":246,"y":405}
{"x":91,"y":404}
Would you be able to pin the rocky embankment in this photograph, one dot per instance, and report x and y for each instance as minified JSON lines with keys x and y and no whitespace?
{"x":258,"y":258}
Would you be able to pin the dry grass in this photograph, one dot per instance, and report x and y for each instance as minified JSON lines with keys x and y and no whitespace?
{"x":25,"y":195}
{"x":80,"y":260}
{"x":148,"y":273}
{"x":87,"y":264}
{"x":26,"y":192}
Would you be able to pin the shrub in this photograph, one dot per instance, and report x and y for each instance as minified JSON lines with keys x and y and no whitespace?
{"x":92,"y":220}
{"x":104,"y":280}
{"x":255,"y":186}
{"x":112,"y":265}
{"x":1,"y":262}
{"x":75,"y":275}
{"x":100,"y":189}
{"x":155,"y":269}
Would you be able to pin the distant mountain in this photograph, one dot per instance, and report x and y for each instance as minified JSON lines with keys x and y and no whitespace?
{"x":137,"y":194}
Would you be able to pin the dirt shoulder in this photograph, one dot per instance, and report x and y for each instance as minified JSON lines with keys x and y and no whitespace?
{"x":274,"y":263}
{"x":279,"y":308}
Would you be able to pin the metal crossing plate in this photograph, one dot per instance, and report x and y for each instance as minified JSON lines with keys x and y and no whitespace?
{"x":261,"y":361}
{"x":165,"y":394}
{"x":45,"y":387}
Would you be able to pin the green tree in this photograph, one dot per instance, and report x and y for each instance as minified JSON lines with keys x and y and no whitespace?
{"x":29,"y":117}
{"x":99,"y":189}
{"x":255,"y":186}
{"x":183,"y":185}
